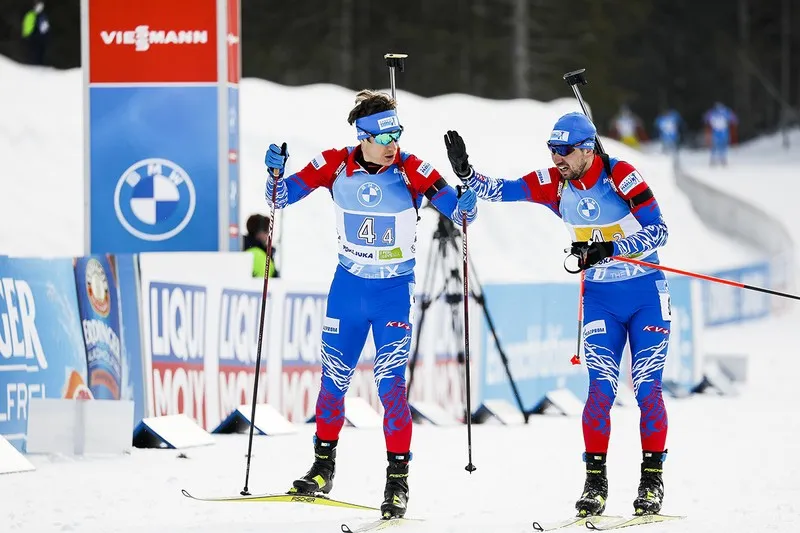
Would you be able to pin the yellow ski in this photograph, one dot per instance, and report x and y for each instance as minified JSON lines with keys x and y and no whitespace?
{"x":633,"y":521}
{"x":283,"y":498}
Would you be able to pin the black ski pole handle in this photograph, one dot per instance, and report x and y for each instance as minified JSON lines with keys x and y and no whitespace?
{"x":397,"y":61}
{"x":576,"y":77}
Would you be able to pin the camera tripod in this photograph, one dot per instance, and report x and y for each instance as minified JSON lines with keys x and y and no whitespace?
{"x":444,"y":264}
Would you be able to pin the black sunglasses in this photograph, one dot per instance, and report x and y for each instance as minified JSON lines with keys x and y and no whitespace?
{"x":564,"y":149}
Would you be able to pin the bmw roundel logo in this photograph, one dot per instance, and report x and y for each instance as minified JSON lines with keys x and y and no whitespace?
{"x":589,"y":209}
{"x":154,"y":199}
{"x":369,"y":194}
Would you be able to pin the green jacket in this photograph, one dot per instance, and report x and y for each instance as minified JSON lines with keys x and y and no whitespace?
{"x":260,"y":262}
{"x":28,"y":23}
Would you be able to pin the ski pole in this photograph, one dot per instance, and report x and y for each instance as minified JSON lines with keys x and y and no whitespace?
{"x":470,"y":467}
{"x":575,"y":78}
{"x":277,"y":175}
{"x":707,"y":278}
{"x":577,"y":359}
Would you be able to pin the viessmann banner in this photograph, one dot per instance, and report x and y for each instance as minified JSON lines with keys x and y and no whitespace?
{"x":161,"y":125}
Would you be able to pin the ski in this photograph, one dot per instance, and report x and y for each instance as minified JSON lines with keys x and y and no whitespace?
{"x":315,"y":499}
{"x":575,"y":521}
{"x":631,"y":521}
{"x":379,"y":525}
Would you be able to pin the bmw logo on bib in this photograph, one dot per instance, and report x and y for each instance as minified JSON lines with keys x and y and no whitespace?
{"x":369,"y":194}
{"x":154,"y":199}
{"x":589,"y":209}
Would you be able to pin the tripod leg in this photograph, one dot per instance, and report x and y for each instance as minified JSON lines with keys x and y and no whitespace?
{"x":480,"y":298}
{"x":418,"y":326}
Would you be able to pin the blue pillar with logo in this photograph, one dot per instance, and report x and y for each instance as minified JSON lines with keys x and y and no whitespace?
{"x":161,"y":125}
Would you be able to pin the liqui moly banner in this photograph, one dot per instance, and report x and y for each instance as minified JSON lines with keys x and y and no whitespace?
{"x":200,"y":322}
{"x":239,"y":313}
{"x":161,"y":125}
{"x":200,"y":318}
{"x":300,"y":330}
{"x":177,"y":328}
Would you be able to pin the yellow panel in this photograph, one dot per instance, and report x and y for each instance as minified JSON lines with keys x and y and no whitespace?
{"x":609,"y":233}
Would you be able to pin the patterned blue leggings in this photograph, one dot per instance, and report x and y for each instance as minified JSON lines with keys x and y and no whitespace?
{"x":637,"y":310}
{"x":354,"y":305}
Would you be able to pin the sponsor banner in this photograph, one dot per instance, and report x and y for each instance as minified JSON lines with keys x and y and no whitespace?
{"x":239,"y":313}
{"x":203,"y":363}
{"x":200,"y":329}
{"x":177,"y":323}
{"x":161,"y":83}
{"x":152,"y":41}
{"x":684,"y":357}
{"x":215,"y":346}
{"x":300,"y":330}
{"x":724,"y":304}
{"x":154,"y":169}
{"x":42,"y":352}
{"x":98,"y":302}
{"x":536,"y":326}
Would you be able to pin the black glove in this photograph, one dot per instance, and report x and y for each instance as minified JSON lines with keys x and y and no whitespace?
{"x":590,"y":254}
{"x":457,"y":153}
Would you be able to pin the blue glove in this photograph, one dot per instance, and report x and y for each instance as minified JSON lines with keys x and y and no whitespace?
{"x":274,"y":159}
{"x":467,"y":200}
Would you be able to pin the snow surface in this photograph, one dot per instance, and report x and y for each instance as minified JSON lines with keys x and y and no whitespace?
{"x":733,"y":461}
{"x":732,"y":467}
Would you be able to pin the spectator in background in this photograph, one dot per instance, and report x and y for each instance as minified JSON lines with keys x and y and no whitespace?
{"x":668,"y":125}
{"x":721,"y":125}
{"x":35,"y":28}
{"x":627,"y":127}
{"x":255,"y":242}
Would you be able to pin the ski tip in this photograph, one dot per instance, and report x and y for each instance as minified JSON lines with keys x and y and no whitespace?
{"x":346,"y":529}
{"x":537,"y":526}
{"x":186,"y":493}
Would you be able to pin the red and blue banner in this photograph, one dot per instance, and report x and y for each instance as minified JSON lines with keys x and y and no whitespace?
{"x":160,"y":88}
{"x":98,"y":302}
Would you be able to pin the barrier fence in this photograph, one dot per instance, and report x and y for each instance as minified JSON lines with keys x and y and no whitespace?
{"x":177,"y":333}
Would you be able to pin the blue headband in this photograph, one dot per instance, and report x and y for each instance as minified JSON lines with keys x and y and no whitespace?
{"x":382,"y":122}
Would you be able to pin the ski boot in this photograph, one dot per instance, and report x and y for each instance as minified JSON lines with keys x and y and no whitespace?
{"x":651,"y":486}
{"x":395,"y":495}
{"x":320,"y":477}
{"x":595,"y":491}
